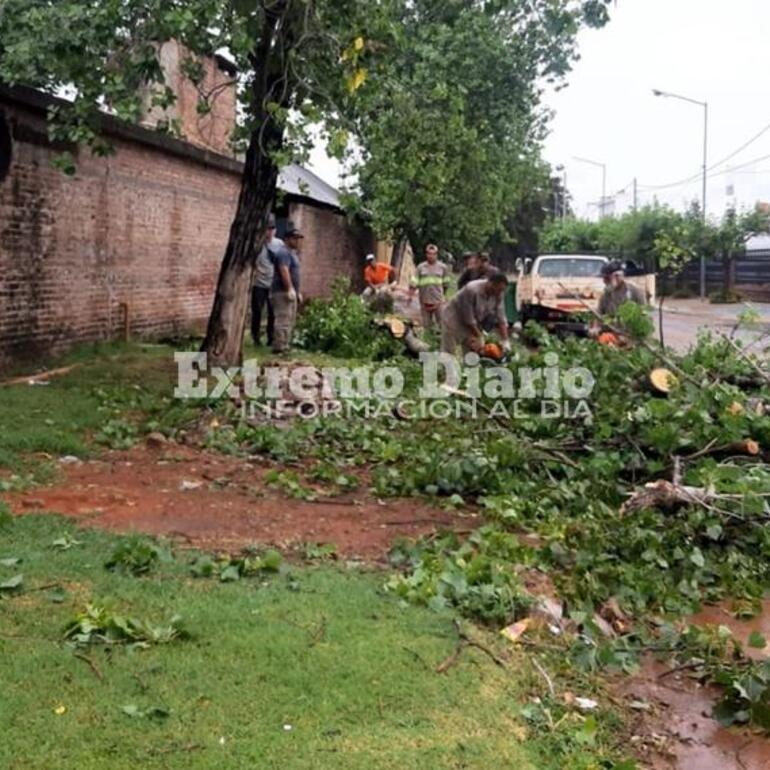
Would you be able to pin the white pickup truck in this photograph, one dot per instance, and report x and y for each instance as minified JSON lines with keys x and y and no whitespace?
{"x":554,"y":288}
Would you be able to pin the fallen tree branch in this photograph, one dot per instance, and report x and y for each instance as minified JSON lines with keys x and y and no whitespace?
{"x":42,"y":377}
{"x":615,"y":330}
{"x":765,"y":377}
{"x":667,"y":496}
{"x":547,"y":454}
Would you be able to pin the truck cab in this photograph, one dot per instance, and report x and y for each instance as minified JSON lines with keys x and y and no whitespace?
{"x":555,"y":289}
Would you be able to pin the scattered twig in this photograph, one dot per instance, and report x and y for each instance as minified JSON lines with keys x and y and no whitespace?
{"x":44,"y":587}
{"x":416,"y":655}
{"x":539,"y":645}
{"x":448,"y":662}
{"x":91,"y":664}
{"x":464,"y":641}
{"x":684,"y":667}
{"x":479,"y":646}
{"x":330,"y":501}
{"x":545,"y":676}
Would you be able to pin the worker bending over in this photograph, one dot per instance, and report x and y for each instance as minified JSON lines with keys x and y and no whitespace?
{"x":377,"y":275}
{"x":463,"y":316}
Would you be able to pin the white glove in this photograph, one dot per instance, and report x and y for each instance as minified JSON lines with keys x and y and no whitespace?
{"x":300,"y":298}
{"x":292,"y":295}
{"x":506,"y":346}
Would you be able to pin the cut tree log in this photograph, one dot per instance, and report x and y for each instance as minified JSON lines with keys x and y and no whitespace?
{"x":662,"y":381}
{"x":395,"y":325}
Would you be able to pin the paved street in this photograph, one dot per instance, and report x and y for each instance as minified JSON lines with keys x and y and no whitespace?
{"x":683,"y":319}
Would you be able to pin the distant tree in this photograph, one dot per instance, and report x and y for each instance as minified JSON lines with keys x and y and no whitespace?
{"x":728,"y":240}
{"x":544,"y":194}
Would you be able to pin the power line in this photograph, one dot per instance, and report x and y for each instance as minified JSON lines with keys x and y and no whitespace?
{"x":695,"y":177}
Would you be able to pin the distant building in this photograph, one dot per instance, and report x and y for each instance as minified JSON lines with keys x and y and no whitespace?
{"x":134,"y":240}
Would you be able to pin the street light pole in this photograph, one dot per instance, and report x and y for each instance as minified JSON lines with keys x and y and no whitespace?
{"x":603,"y":167}
{"x":705,"y":106}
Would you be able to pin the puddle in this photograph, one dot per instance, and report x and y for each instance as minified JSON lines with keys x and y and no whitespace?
{"x":676,"y":728}
{"x":720,"y":615}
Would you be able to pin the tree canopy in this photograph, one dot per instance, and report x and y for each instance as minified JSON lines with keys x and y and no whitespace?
{"x":660,"y":237}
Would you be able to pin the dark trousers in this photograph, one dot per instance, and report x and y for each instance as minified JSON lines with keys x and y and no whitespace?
{"x":259,"y":298}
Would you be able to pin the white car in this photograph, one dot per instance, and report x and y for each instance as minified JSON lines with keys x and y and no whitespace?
{"x":553,"y":288}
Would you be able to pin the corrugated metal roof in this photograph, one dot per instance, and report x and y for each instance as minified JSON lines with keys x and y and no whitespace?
{"x":296,"y":180}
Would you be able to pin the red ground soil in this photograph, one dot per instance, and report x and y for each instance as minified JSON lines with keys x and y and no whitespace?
{"x":142,"y":490}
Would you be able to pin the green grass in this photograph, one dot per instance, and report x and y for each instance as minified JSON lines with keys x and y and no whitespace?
{"x":361,"y":694}
{"x":109,"y":383}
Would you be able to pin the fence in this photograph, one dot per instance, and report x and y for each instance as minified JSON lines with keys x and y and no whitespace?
{"x":752,"y":276}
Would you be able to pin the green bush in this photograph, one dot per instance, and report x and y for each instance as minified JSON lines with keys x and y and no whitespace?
{"x":344,"y":326}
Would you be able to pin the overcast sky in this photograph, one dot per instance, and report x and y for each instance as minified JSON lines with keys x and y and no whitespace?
{"x":709,"y":50}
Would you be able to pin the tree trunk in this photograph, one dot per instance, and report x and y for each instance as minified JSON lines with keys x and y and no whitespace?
{"x":224,"y":336}
{"x":399,"y":249}
{"x":728,"y":265}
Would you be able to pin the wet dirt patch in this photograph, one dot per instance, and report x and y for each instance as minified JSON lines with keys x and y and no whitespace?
{"x":673,"y":728}
{"x":217,"y":502}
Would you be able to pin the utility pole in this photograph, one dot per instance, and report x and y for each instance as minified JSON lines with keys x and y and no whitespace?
{"x":564,"y":196}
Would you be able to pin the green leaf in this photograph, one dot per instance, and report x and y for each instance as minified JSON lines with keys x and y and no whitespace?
{"x":13,"y":584}
{"x":757,"y":640}
{"x":272,"y":560}
{"x":696,"y":557}
{"x":587,"y":733}
{"x":152,"y":712}
{"x":10,"y":562}
{"x":714,"y":531}
{"x":230,"y":574}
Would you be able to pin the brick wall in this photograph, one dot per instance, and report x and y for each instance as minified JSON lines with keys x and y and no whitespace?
{"x":212,"y":129}
{"x":331,"y":248}
{"x":146,"y":226}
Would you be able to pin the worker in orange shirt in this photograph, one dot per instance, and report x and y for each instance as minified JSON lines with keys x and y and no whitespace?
{"x":377,"y":275}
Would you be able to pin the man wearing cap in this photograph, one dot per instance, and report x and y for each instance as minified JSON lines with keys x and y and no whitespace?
{"x":477,"y":266}
{"x":431,"y":279}
{"x":464,"y":315}
{"x":616,"y":291}
{"x":263,"y":280}
{"x":284,"y":292}
{"x":376,"y":275}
